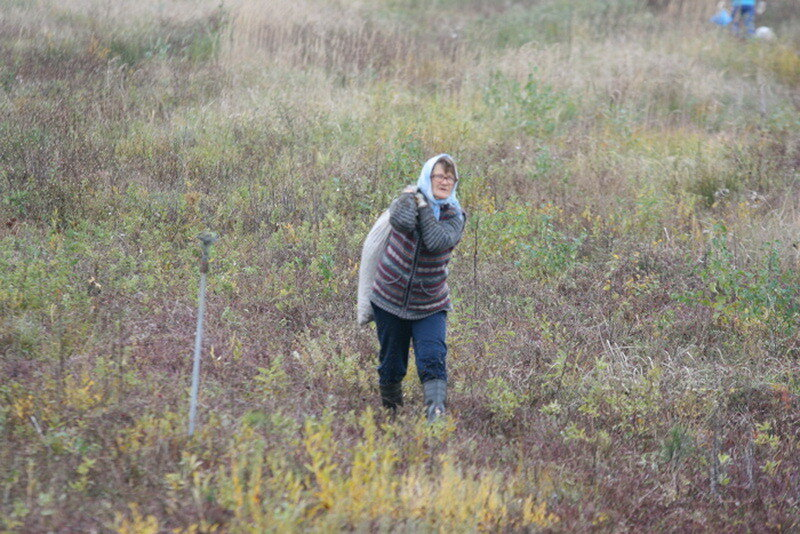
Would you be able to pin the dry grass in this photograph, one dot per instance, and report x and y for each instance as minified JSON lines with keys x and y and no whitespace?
{"x":623,"y":353}
{"x":339,"y":39}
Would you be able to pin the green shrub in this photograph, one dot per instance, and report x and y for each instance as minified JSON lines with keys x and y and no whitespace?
{"x":533,"y":108}
{"x":529,"y":237}
{"x":760,"y":295}
{"x":503,"y":400}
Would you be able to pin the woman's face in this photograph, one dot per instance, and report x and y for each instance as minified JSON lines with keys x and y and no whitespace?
{"x":442,"y":182}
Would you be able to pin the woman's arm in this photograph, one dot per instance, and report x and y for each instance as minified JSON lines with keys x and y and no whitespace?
{"x":403,"y":213}
{"x":439,"y":236}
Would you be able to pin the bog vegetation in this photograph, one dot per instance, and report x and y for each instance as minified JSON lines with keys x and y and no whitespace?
{"x":624,"y":351}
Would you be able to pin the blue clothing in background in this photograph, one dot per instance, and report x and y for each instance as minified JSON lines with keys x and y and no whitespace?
{"x":722,"y":18}
{"x":744,"y":13}
{"x":743,"y":3}
{"x":430,"y":347}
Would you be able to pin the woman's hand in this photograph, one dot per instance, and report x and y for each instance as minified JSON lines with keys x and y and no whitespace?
{"x":419,"y":198}
{"x":403,"y":211}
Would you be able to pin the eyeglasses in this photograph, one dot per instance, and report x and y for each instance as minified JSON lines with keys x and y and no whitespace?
{"x":444,"y":177}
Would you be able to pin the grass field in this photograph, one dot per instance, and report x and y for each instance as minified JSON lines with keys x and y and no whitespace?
{"x":623,"y":354}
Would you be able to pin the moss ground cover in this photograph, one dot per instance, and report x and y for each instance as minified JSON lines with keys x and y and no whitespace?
{"x":624,"y":351}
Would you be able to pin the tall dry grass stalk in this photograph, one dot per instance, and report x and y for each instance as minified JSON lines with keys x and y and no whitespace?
{"x":339,"y":39}
{"x":663,"y":81}
{"x":125,"y":12}
{"x":59,"y":23}
{"x":686,"y":9}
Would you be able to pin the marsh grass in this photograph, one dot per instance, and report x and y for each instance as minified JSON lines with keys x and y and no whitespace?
{"x":623,"y":353}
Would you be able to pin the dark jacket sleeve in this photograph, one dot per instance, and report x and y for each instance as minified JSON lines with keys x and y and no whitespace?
{"x":403,"y":213}
{"x":439,"y":236}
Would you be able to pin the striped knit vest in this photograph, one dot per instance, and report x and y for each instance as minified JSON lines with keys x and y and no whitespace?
{"x":411,"y":282}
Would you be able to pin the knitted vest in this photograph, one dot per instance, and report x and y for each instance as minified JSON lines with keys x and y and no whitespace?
{"x":411,"y":282}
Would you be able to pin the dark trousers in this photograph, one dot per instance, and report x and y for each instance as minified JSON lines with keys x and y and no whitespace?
{"x":430,"y":347}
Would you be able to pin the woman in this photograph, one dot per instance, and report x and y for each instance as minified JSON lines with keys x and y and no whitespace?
{"x":410,"y":297}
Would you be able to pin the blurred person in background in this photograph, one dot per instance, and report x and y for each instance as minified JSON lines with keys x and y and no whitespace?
{"x":410,"y":296}
{"x":744,"y":13}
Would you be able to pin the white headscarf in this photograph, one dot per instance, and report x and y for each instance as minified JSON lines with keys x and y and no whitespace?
{"x":424,"y":185}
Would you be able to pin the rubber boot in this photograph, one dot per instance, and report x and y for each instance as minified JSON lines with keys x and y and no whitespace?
{"x":392,"y":395}
{"x":435,"y":393}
